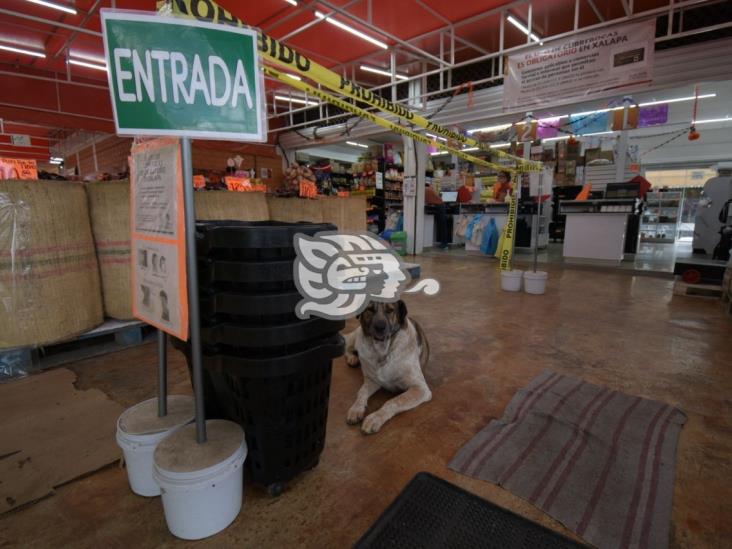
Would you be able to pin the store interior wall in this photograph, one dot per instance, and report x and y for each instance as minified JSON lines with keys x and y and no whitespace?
{"x":112,"y":155}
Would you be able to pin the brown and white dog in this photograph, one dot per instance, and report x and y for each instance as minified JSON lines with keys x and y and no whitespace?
{"x":393,"y":351}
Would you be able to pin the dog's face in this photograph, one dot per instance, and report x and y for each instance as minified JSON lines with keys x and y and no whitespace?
{"x":381,"y":321}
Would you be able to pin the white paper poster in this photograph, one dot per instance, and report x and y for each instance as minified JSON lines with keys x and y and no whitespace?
{"x":379,"y":180}
{"x":159,"y":282}
{"x":409,"y":187}
{"x":581,"y":67}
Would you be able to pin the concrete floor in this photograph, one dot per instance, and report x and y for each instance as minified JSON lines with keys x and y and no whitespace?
{"x":630,"y":333}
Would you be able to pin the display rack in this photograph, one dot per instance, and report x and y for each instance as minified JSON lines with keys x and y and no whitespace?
{"x":661,"y":217}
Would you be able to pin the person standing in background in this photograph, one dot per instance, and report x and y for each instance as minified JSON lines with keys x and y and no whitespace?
{"x":431,"y":198}
{"x":502,"y":188}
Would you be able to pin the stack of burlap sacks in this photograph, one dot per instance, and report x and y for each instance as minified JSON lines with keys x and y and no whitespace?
{"x":65,"y":250}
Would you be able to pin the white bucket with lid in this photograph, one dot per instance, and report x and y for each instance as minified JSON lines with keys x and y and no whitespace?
{"x":202,"y":485}
{"x":140,"y":430}
{"x":511,"y":280}
{"x":535,"y":282}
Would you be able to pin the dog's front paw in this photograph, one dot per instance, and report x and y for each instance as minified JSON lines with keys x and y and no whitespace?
{"x":355,"y":415}
{"x":352,"y":359}
{"x":373,"y":423}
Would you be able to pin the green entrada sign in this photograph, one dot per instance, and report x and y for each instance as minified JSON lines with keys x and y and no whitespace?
{"x":171,"y":76}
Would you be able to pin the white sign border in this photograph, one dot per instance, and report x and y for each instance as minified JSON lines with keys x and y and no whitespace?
{"x":134,"y":15}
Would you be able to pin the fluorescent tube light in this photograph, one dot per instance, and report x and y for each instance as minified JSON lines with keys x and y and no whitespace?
{"x":87,"y":65}
{"x":295,"y":100}
{"x":520,"y":26}
{"x":433,"y":136}
{"x":23,"y":51}
{"x":293,"y":76}
{"x":292,"y":2}
{"x":491,"y":128}
{"x":471,"y":149}
{"x":560,"y":138}
{"x":330,"y":19}
{"x":439,"y":153}
{"x":383,"y":72}
{"x":60,"y":7}
{"x":354,"y":144}
{"x":500,"y":145}
{"x":712,"y":120}
{"x":594,"y":133}
{"x":677,"y":100}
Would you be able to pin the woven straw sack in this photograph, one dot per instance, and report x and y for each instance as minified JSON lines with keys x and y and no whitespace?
{"x":222,"y":205}
{"x":292,"y":210}
{"x":49,"y":276}
{"x":348,"y":214}
{"x":109,"y":208}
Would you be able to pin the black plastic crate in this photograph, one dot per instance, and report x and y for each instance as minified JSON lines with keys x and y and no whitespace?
{"x":211,"y":271}
{"x":248,"y":304}
{"x":255,"y":236}
{"x":281,"y":402}
{"x":237,"y":335}
{"x":432,"y":513}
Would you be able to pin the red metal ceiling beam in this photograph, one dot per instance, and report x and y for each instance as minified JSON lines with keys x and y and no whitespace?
{"x":56,"y":119}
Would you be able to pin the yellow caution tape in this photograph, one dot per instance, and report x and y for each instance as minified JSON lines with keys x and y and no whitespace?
{"x":383,"y":122}
{"x":274,"y":51}
{"x":508,"y":234}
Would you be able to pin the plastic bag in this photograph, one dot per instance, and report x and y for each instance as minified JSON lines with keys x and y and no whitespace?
{"x":490,"y":238}
{"x":462,"y":225}
{"x":471,"y":226}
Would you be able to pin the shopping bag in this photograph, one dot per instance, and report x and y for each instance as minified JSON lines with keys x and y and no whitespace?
{"x":476,"y":239}
{"x":462,"y":225}
{"x":490,"y":238}
{"x":471,"y":226}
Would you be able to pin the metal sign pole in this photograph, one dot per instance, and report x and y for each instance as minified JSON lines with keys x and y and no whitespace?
{"x":193,"y":308}
{"x":162,"y":373}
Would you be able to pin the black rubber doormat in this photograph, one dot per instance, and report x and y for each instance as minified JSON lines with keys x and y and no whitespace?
{"x":432,"y":513}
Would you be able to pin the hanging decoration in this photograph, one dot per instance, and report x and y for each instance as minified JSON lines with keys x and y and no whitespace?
{"x":693,"y":134}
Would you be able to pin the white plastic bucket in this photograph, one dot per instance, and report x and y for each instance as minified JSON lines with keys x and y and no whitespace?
{"x":535,"y":282}
{"x":139,"y":431}
{"x":511,"y":280}
{"x":202,"y":486}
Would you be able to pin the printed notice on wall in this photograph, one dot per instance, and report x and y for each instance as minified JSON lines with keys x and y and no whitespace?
{"x":159,"y":292}
{"x":584,"y":66}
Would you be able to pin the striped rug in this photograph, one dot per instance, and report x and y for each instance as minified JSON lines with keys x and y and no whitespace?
{"x":599,"y":461}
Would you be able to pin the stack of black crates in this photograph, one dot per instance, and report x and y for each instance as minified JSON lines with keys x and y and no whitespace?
{"x":263,"y":367}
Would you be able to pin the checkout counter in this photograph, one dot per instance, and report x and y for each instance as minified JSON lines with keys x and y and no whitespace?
{"x":527,"y":217}
{"x":602,"y":230}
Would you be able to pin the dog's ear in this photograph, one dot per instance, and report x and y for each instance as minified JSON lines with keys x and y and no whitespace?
{"x":402,"y":313}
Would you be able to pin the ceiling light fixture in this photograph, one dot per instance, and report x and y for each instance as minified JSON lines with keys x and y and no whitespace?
{"x":471,"y":149}
{"x":560,"y":138}
{"x":491,"y":128}
{"x":500,"y":145}
{"x":439,"y":153}
{"x":60,"y":7}
{"x":23,"y":51}
{"x":383,"y":72}
{"x":677,"y":100}
{"x":523,"y":28}
{"x":292,"y":2}
{"x":295,"y":100}
{"x":433,"y":136}
{"x":354,"y":144}
{"x":333,"y":21}
{"x":293,"y":76}
{"x":87,"y":65}
{"x":712,"y":120}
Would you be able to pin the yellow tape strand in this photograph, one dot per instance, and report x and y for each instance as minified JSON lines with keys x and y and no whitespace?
{"x":383,"y":122}
{"x":274,"y":51}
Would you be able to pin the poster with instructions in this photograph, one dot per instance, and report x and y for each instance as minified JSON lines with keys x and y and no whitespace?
{"x":159,"y":282}
{"x":606,"y":61}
